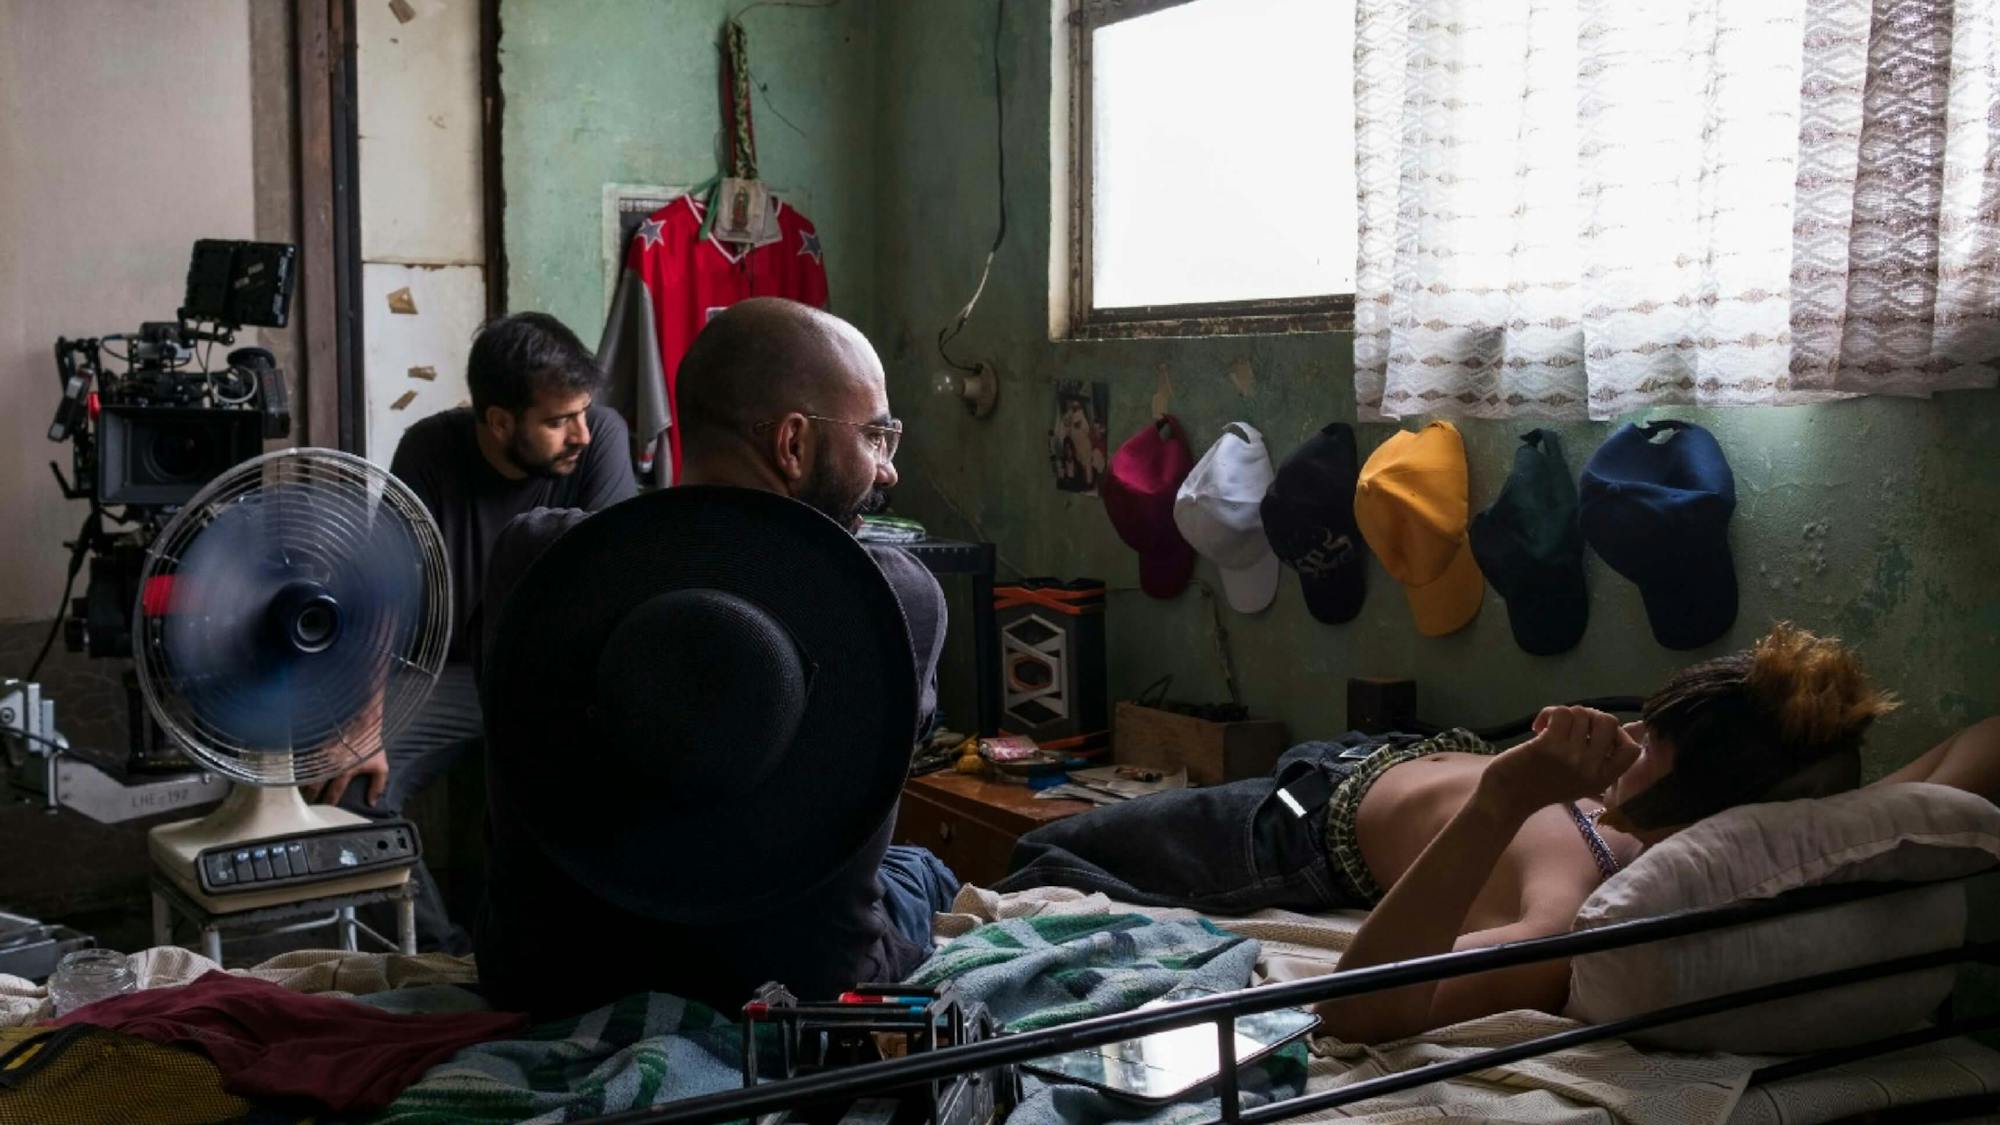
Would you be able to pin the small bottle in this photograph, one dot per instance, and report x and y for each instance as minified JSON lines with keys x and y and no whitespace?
{"x":87,"y":976}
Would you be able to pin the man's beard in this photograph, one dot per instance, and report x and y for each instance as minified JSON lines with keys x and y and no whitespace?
{"x":825,"y":496}
{"x":561,"y":464}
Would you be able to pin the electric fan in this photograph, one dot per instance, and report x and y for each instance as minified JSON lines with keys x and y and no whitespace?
{"x":292,"y":617}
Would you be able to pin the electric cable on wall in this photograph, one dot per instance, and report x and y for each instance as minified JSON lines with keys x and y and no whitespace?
{"x":947,"y":335}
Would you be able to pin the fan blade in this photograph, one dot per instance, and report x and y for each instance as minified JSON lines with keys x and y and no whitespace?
{"x":226,"y":631}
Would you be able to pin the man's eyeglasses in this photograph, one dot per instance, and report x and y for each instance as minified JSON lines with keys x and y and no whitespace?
{"x":882,"y":437}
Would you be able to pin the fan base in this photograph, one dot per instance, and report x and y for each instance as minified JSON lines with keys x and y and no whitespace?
{"x":247,"y":815}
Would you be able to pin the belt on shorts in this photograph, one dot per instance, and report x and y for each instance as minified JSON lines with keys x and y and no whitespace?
{"x":1311,"y":792}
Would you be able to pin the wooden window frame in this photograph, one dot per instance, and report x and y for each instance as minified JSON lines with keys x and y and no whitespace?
{"x":1260,"y":316}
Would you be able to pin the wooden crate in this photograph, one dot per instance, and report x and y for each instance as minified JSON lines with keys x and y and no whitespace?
{"x":1212,"y":752}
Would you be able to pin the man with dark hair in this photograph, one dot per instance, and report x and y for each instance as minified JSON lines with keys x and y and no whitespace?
{"x":1451,"y":844}
{"x":531,"y":439}
{"x":773,"y":396}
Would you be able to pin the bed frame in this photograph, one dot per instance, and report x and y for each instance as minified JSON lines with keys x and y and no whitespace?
{"x":1221,"y":1010}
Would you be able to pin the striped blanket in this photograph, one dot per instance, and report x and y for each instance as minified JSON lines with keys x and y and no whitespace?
{"x":1055,"y":969}
{"x":641,"y":1051}
{"x":650,"y":1049}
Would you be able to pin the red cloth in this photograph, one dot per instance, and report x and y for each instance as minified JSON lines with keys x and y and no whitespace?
{"x":270,"y":1042}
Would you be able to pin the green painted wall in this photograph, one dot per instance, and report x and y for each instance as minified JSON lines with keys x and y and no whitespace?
{"x":625,"y":91}
{"x":1873,"y":519}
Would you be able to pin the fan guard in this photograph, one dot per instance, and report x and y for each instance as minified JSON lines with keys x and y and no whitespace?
{"x":276,"y":603}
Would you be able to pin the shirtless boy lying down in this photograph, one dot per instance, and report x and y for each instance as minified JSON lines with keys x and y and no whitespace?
{"x":1452,"y":844}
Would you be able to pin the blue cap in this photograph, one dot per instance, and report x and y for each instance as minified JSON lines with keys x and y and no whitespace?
{"x":1655,"y":503}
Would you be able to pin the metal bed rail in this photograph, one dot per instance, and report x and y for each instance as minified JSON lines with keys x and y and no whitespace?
{"x":1222,"y":1009}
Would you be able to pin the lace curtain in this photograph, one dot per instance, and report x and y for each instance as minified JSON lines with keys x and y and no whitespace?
{"x":1573,"y":208}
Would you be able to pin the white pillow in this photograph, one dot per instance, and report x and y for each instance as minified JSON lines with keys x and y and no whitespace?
{"x":1890,"y":833}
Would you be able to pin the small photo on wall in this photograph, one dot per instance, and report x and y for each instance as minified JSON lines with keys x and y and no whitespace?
{"x":1077,"y":440}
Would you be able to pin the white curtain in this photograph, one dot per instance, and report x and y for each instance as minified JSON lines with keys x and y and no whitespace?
{"x":1573,"y":208}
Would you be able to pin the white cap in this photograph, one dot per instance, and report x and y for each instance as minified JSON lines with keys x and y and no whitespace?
{"x":1218,"y":512}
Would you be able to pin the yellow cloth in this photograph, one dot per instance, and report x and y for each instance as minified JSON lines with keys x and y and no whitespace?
{"x":87,"y":1075}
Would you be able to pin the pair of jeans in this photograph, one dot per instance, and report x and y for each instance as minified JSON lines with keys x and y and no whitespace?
{"x":915,"y":885}
{"x":1222,"y":849}
{"x":446,"y":728}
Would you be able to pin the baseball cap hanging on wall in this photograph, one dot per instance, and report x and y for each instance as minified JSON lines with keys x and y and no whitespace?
{"x":1411,"y":507}
{"x":1531,"y":548}
{"x":1655,"y":504}
{"x":1217,"y":510}
{"x":1309,"y":519}
{"x":1138,"y":491}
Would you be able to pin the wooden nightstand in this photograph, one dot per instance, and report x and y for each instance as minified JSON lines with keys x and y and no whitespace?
{"x":971,"y":823}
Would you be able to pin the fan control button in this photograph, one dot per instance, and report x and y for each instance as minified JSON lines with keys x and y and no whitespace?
{"x":308,"y":858}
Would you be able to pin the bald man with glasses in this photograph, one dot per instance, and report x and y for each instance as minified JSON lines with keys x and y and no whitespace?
{"x":780,"y":397}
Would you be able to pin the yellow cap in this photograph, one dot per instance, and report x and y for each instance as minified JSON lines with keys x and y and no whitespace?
{"x":1411,"y":506}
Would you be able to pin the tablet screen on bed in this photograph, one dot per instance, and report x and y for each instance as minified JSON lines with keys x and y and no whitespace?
{"x":1163,"y":1066}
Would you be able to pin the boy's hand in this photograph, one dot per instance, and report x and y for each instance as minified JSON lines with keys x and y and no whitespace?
{"x":1576,"y":752}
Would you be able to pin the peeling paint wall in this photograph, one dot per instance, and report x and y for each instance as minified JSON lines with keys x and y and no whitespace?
{"x":1874,"y":519}
{"x":625,"y":92}
{"x":423,"y":235}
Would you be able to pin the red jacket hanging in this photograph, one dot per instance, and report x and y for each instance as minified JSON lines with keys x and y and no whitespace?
{"x":673,"y":283}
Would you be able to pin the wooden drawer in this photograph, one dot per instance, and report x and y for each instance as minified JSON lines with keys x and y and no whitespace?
{"x":971,"y":824}
{"x":977,"y":853}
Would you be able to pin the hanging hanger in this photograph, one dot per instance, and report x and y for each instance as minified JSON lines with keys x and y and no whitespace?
{"x":739,"y":132}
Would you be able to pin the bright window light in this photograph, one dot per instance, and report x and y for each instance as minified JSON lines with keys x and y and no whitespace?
{"x":1223,"y":135}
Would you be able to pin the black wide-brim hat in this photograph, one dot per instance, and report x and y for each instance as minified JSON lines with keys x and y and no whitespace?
{"x":700,"y":703}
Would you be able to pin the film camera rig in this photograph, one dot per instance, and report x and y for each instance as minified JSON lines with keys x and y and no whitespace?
{"x":151,"y":420}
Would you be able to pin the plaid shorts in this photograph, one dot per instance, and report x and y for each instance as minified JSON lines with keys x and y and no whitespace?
{"x":1343,"y":809}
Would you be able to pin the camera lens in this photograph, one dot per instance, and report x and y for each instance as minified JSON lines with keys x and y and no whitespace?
{"x":181,"y":452}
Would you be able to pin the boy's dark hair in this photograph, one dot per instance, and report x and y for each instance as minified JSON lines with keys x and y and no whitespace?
{"x":522,"y":354}
{"x":1779,"y":721}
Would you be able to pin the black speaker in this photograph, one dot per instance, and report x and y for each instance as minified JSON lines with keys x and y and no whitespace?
{"x":1052,"y":675}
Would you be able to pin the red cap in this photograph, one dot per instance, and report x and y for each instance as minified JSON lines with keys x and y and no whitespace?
{"x":1138,"y":492}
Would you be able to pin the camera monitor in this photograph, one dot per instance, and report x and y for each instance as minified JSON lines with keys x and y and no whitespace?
{"x":240,"y":283}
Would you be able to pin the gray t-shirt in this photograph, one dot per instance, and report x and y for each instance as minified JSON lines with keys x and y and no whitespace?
{"x":439,"y":459}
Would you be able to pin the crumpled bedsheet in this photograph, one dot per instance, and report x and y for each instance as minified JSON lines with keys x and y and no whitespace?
{"x":318,"y":971}
{"x":1579,"y":1086}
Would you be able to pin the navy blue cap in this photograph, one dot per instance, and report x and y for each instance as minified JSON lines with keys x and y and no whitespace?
{"x":1308,"y":514}
{"x":1655,"y":505}
{"x":1530,"y":547}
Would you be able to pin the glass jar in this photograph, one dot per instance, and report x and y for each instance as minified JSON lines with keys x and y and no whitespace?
{"x":87,"y":976}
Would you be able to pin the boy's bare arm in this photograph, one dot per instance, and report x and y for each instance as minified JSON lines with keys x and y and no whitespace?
{"x":1422,"y":915}
{"x":1968,"y":760}
{"x":1577,"y":752}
